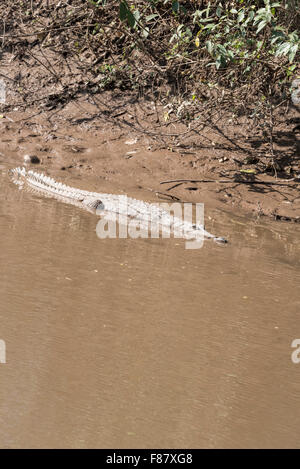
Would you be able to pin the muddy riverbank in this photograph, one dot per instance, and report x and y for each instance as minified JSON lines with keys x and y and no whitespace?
{"x":93,"y":107}
{"x":92,"y":143}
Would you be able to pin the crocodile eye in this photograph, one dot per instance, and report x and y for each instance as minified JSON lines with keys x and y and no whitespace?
{"x":98,"y":205}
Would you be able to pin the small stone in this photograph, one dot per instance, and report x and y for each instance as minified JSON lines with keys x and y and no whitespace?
{"x":31,"y":159}
{"x":35,"y":160}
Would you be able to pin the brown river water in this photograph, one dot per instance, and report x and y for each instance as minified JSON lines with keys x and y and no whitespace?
{"x":142,"y":343}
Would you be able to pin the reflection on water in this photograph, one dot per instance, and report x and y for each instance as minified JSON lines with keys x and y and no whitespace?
{"x":142,"y":343}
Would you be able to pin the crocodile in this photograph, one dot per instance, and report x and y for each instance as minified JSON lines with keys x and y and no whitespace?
{"x":108,"y":205}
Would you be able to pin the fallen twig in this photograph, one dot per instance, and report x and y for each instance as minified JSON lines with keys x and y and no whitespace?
{"x":224,"y":181}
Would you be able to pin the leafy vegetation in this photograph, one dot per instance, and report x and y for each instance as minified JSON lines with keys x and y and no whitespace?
{"x":243,"y":52}
{"x":253,"y":42}
{"x":202,"y":63}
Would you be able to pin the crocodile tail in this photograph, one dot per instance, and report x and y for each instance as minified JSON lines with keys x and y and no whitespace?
{"x":42,"y":183}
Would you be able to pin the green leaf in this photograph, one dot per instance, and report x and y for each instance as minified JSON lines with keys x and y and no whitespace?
{"x":151,"y":17}
{"x":261,"y":26}
{"x":220,"y":62}
{"x":210,"y":26}
{"x":293,"y":52}
{"x":205,"y":20}
{"x":277,"y":34}
{"x":251,"y":15}
{"x":175,"y":6}
{"x":123,"y":11}
{"x":188,"y":32}
{"x":145,"y":32}
{"x":283,"y":49}
{"x":222,"y":49}
{"x":209,"y":47}
{"x":136,"y":15}
{"x":131,"y":19}
{"x":219,"y":10}
{"x":241,"y":16}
